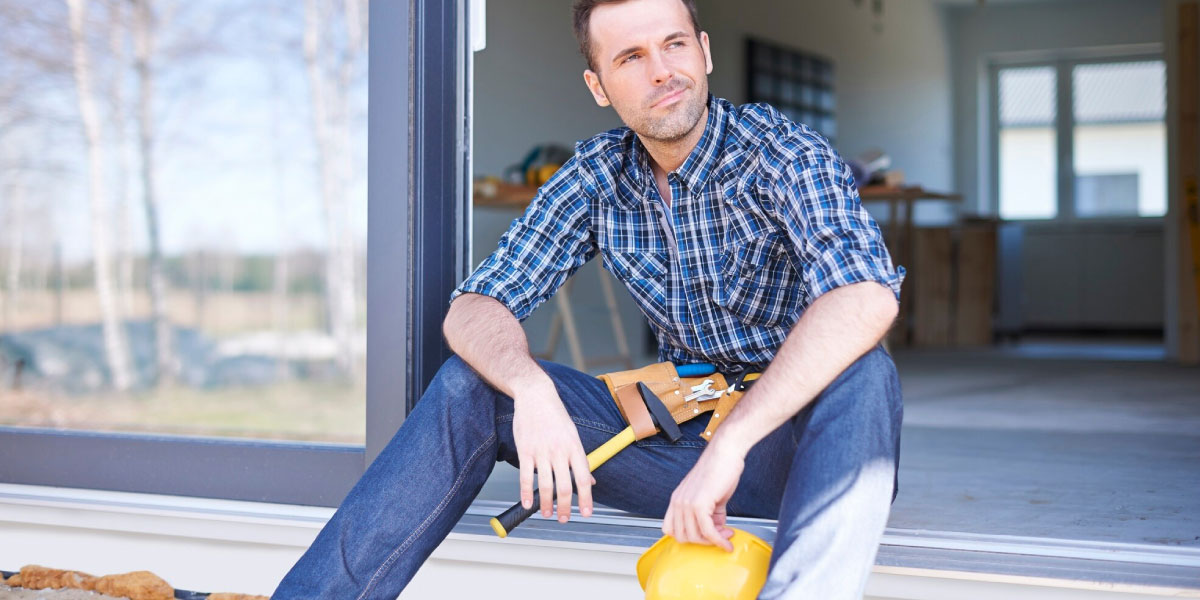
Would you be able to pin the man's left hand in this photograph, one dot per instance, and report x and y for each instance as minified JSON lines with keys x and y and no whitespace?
{"x":697,"y":511}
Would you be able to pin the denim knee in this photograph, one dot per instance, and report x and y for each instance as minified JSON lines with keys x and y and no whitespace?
{"x":865,"y":395}
{"x":456,"y":383}
{"x":874,"y":373}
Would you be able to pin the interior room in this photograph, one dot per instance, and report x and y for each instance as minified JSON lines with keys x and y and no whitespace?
{"x":1025,"y":161}
{"x":1045,"y":393}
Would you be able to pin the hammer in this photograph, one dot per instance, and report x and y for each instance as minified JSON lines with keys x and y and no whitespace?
{"x":663,"y":422}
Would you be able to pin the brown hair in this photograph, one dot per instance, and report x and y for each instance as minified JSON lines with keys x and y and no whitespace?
{"x":583,"y":15}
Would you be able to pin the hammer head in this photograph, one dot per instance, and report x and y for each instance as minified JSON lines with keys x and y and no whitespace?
{"x":659,"y":414}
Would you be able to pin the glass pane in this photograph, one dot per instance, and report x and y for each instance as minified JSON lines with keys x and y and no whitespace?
{"x":182,"y":247}
{"x":1120,"y":139}
{"x":1027,"y":143}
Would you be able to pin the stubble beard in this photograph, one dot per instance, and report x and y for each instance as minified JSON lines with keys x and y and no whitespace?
{"x":678,"y":123}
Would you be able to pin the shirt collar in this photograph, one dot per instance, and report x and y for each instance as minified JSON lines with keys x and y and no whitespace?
{"x":704,"y":157}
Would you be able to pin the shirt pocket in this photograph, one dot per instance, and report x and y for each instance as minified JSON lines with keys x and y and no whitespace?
{"x":644,"y":273}
{"x":756,"y":281}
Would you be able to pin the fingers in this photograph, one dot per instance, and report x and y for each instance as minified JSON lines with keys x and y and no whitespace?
{"x":719,"y":520}
{"x":562,"y":480}
{"x":546,"y":486}
{"x":709,"y":530}
{"x":583,"y":482}
{"x":691,"y":524}
{"x":526,"y":466}
{"x":691,"y":529}
{"x":668,"y":527}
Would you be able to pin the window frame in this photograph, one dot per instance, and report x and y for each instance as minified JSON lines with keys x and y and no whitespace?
{"x":416,"y":138}
{"x":1063,"y":63}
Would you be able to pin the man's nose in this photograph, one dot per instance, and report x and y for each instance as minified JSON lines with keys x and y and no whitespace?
{"x":660,"y":71}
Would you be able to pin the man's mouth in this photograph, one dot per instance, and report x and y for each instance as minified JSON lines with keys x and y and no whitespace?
{"x":670,"y":97}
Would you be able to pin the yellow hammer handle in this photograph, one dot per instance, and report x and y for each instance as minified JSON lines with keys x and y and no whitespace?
{"x":610,"y":448}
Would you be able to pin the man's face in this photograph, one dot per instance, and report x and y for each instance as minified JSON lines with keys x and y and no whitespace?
{"x":650,"y":66}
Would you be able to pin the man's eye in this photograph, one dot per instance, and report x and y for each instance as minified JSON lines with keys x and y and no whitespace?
{"x":675,"y":44}
{"x":629,"y":58}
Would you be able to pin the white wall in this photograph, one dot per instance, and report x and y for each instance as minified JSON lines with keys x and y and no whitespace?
{"x":529,"y":84}
{"x":892,"y":85}
{"x":979,"y":33}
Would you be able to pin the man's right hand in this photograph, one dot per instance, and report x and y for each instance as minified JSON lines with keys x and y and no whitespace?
{"x":548,"y":443}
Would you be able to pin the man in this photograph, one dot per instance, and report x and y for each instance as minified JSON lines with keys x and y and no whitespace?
{"x":741,"y":237}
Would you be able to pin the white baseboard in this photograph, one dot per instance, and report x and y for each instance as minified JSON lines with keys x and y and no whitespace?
{"x":224,"y":545}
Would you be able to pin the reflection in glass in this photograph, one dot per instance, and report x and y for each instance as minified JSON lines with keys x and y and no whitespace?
{"x":183,"y":217}
{"x":1027,"y":143}
{"x":1120,"y":139}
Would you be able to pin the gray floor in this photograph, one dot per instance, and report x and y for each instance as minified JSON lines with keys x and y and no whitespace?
{"x":1051,"y":439}
{"x":1030,"y":441}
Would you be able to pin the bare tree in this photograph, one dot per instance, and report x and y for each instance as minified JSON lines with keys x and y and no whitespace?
{"x":330,"y":71}
{"x":13,"y":113}
{"x":16,"y":228}
{"x":144,"y":26}
{"x":115,"y":345}
{"x":118,"y":48}
{"x":280,"y":276}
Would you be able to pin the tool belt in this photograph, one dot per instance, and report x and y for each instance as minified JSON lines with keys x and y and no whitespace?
{"x":685,"y":397}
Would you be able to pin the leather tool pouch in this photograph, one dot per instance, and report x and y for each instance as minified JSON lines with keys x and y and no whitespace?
{"x":665,"y":382}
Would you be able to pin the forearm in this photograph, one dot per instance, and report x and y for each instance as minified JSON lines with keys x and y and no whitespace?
{"x":486,"y":335}
{"x":837,"y":329}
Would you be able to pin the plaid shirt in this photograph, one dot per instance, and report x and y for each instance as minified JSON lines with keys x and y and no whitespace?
{"x":764,"y":218}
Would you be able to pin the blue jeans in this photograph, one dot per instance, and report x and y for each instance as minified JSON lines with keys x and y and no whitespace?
{"x":840,"y":454}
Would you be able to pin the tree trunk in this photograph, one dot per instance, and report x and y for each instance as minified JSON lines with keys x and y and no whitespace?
{"x":59,"y":283}
{"x":280,"y":275}
{"x":330,"y":107}
{"x":143,"y":48}
{"x":116,"y":42}
{"x":16,"y":227}
{"x":199,"y":282}
{"x":115,"y":346}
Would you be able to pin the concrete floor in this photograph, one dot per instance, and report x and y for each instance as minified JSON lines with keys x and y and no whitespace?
{"x":1034,"y":441}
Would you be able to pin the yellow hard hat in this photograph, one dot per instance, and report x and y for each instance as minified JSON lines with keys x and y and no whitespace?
{"x":671,"y":570}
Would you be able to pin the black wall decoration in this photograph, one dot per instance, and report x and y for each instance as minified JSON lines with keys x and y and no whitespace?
{"x":798,"y":83}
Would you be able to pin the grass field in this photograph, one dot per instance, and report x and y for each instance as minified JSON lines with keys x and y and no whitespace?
{"x":293,"y":410}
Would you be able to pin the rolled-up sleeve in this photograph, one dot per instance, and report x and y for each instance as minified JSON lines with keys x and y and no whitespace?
{"x":839,"y":242}
{"x":541,"y":249}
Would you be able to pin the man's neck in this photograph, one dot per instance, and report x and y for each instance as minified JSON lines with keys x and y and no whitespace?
{"x":668,"y":156}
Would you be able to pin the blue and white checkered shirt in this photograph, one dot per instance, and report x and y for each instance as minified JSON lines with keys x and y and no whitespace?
{"x":764,"y":218}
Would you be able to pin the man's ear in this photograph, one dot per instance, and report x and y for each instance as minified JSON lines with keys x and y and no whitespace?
{"x":593,"y":84}
{"x":708,"y":66}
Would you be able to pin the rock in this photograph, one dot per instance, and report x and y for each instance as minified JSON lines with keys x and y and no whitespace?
{"x":138,"y":585}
